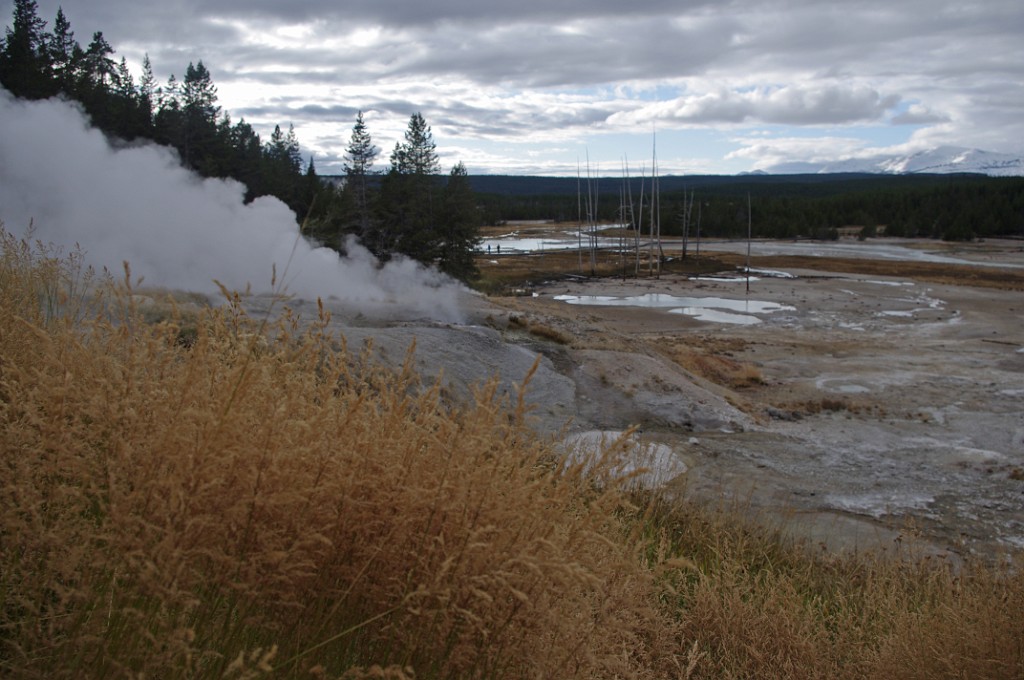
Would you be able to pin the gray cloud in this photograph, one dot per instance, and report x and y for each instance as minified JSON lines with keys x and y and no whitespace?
{"x":563,"y":70}
{"x":794,"y":105}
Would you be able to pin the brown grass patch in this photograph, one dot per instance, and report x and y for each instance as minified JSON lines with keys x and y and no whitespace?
{"x":541,"y":330}
{"x":248,"y":502}
{"x":709,"y":359}
{"x":264,"y":502}
{"x":507,"y":274}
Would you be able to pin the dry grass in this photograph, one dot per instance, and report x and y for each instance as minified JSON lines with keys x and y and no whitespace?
{"x":756,"y":606}
{"x":509,"y":274}
{"x":514,"y":274}
{"x":541,"y":330}
{"x":711,"y":360}
{"x":168,"y":508}
{"x":262,"y":502}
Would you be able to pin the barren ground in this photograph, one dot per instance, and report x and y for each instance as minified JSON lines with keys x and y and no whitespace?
{"x":881,"y":402}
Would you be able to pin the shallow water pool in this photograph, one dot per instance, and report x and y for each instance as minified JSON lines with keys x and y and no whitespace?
{"x":714,"y":309}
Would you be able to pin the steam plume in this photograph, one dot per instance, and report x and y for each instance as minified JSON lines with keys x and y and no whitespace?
{"x":177,"y":230}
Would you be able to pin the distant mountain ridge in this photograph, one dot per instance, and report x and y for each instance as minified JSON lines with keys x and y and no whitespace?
{"x":940,"y":160}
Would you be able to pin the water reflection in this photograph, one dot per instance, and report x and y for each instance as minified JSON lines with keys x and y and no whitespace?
{"x":518,"y":245}
{"x":715,"y":309}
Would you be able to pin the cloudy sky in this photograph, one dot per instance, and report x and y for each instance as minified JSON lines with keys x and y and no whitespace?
{"x":536,"y":86}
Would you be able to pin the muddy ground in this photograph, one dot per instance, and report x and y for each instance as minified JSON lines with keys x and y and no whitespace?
{"x":865,"y":407}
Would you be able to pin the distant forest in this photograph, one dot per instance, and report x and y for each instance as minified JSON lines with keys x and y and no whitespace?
{"x":951,"y":207}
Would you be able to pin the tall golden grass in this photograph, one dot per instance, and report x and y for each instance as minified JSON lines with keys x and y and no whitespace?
{"x":251,"y":498}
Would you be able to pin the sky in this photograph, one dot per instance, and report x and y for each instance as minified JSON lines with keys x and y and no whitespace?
{"x":548,"y":86}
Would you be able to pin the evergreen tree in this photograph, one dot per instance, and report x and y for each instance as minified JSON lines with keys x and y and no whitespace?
{"x":100,"y":69}
{"x":319,"y":221}
{"x":418,"y":154}
{"x":168,"y":122}
{"x":123,"y":114}
{"x":199,"y":121}
{"x":66,"y":55}
{"x":124,"y":83}
{"x":293,"y":150}
{"x":460,"y":226}
{"x":96,"y":85}
{"x":147,"y":90}
{"x":361,"y":152}
{"x":246,"y":159}
{"x":307,"y":186}
{"x":407,"y":222}
{"x":199,"y":95}
{"x":282,"y":164}
{"x":276,"y":147}
{"x":359,"y":158}
{"x":24,"y":58}
{"x":167,"y":96}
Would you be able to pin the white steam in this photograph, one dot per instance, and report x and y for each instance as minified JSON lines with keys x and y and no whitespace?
{"x":175,"y":229}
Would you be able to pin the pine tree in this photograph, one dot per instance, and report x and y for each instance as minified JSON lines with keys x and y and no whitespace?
{"x":124,"y":83}
{"x":96,"y":85}
{"x":246,"y":159}
{"x":125,"y":119}
{"x":359,"y":158}
{"x":293,"y":150}
{"x":99,"y":67}
{"x":24,"y":58}
{"x":282,"y":164}
{"x":316,"y":198}
{"x":199,"y":95}
{"x":460,"y":226}
{"x":361,"y":152}
{"x":65,"y":54}
{"x":408,"y":220}
{"x":200,"y":110}
{"x":147,"y":90}
{"x":168,"y":120}
{"x":418,"y":154}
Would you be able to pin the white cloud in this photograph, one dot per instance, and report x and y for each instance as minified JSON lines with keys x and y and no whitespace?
{"x":917,"y":114}
{"x":817,"y":104}
{"x":560,"y":71}
{"x":765,"y":153}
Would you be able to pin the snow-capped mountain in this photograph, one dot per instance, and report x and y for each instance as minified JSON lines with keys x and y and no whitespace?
{"x":942,"y":160}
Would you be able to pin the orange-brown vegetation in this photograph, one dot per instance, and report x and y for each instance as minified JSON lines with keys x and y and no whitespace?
{"x":541,"y":330}
{"x":253,"y":499}
{"x":714,"y":365}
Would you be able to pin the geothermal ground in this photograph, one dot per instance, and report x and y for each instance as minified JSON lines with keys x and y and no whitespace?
{"x":856,"y":409}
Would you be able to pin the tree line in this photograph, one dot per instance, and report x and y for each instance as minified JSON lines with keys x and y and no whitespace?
{"x":409,"y":208}
{"x":950,"y":207}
